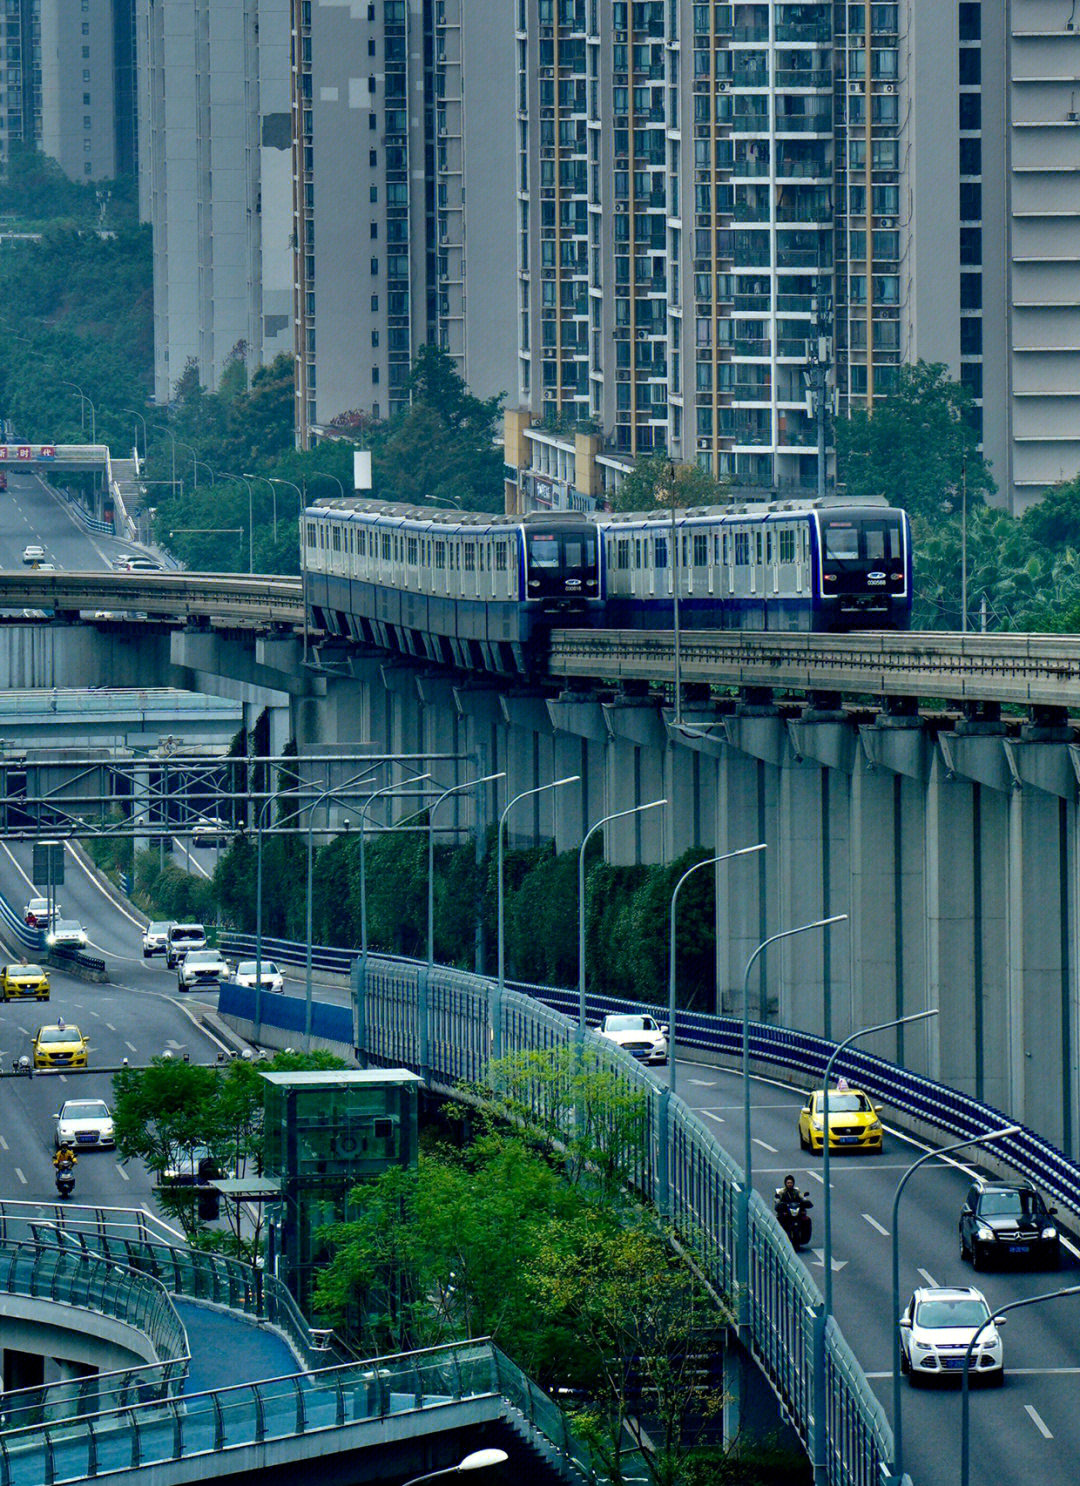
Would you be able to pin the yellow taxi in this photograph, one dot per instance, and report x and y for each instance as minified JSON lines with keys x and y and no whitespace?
{"x":59,"y":1046}
{"x":854,"y":1122}
{"x":24,"y":980}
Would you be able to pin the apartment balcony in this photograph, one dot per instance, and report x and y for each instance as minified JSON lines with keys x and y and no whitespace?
{"x":752,"y":304}
{"x":804,"y":124}
{"x":752,"y":348}
{"x":750,"y":33}
{"x":804,"y":78}
{"x":812,"y":35}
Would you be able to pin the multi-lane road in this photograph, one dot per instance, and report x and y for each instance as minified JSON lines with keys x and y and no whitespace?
{"x":1027,"y":1431}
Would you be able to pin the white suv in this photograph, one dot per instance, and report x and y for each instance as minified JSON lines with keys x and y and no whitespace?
{"x":937,"y":1328}
{"x":180,"y":939}
{"x":201,"y":967}
{"x":155,"y":939}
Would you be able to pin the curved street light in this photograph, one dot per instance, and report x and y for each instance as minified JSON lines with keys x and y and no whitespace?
{"x":965,"y":1417}
{"x":744,"y":1195}
{"x":524,"y":795}
{"x":477,"y":1461}
{"x":453,"y":790}
{"x":945,"y":1150}
{"x":603,"y":821}
{"x":709,"y":862}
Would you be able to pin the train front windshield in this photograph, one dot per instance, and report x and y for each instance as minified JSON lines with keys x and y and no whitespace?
{"x":863,"y":540}
{"x":562,"y":562}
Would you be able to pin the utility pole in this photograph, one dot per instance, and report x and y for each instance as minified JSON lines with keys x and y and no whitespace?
{"x":817,"y":378}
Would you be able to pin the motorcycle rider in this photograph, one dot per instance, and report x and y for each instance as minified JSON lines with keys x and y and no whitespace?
{"x":789,"y":1192}
{"x":65,"y":1160}
{"x":789,"y":1196}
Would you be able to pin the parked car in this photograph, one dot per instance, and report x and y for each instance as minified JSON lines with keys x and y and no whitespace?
{"x":936,"y":1330}
{"x":247,"y":974}
{"x":23,"y":981}
{"x":181,"y":938}
{"x":38,"y":913}
{"x":59,"y":1046}
{"x":640,"y":1036}
{"x":201,"y":967}
{"x":854,"y":1122}
{"x":1008,"y":1221}
{"x":66,"y":933}
{"x":84,"y":1122}
{"x":155,"y":938}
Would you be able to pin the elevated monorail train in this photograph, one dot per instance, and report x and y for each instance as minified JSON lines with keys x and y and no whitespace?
{"x":483,"y":592}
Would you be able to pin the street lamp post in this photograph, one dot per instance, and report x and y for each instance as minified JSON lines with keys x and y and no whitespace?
{"x":453,"y":790}
{"x":946,"y":1150}
{"x":900,"y":1021}
{"x":525,"y":793}
{"x":329,"y":476}
{"x":273,"y":497}
{"x":244,"y":480}
{"x":744,"y":1195}
{"x":616,"y":815}
{"x":159,"y":428}
{"x":965,"y":1416}
{"x":386,"y":789}
{"x":709,"y":862}
{"x":474,"y":1462}
{"x":136,"y":414}
{"x":93,"y":412}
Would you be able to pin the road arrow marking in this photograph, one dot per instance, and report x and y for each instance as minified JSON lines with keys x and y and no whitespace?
{"x":820,"y":1261}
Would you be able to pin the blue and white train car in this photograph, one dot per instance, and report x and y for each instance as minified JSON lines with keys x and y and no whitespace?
{"x":792,"y":566}
{"x":468,"y":589}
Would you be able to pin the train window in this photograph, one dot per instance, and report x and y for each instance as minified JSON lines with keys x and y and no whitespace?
{"x":311,"y":534}
{"x":742,"y":549}
{"x":660,"y":552}
{"x":410,"y":551}
{"x":701,"y":550}
{"x":841,"y":540}
{"x":622,"y":553}
{"x":543,"y":550}
{"x":500,"y":556}
{"x":727,"y":549}
{"x":470,"y":557}
{"x":578,"y":552}
{"x":440,"y":555}
{"x":637,"y":553}
{"x":335,"y":538}
{"x":361,"y":542}
{"x":768,"y":545}
{"x":882,"y":542}
{"x":787,"y":546}
{"x":757,"y":546}
{"x":386,"y":546}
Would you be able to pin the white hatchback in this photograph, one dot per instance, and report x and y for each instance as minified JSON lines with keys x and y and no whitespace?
{"x":937,"y":1328}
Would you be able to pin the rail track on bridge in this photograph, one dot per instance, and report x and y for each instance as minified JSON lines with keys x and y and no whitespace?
{"x":1027,"y":670}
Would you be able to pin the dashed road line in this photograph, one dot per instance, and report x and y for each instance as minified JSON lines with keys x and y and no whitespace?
{"x":123,"y":1173}
{"x":876,"y":1225}
{"x":131,"y":1047}
{"x":928,"y":1277}
{"x":765,"y":1146}
{"x":19,"y":1174}
{"x":710,"y":1116}
{"x":3,"y":1144}
{"x":1036,"y":1419}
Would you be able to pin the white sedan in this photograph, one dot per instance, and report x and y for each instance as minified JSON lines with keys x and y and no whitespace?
{"x":84,"y":1123}
{"x":33,"y":554}
{"x":247,"y":973}
{"x":640,"y":1036}
{"x":66,"y":933}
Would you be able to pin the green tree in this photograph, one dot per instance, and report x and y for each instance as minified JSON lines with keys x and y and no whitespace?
{"x":655,"y":477}
{"x":916,"y":447}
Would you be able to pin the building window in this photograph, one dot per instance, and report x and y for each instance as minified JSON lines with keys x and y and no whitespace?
{"x":375,"y":303}
{"x":374,"y":265}
{"x":375,"y":374}
{"x":373,"y":158}
{"x":374,"y":230}
{"x":86,"y":100}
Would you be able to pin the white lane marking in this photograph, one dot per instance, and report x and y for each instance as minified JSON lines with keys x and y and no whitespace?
{"x":876,"y":1225}
{"x":18,"y":1173}
{"x":108,"y":892}
{"x":1033,"y":1414}
{"x":110,"y":1026}
{"x":123,"y":1173}
{"x":929,"y":1278}
{"x":817,"y":1176}
{"x":703,"y":1083}
{"x":131,"y":1047}
{"x":95,"y":1013}
{"x":819,"y":1262}
{"x":3,"y":1144}
{"x":710,"y":1116}
{"x":765,"y":1146}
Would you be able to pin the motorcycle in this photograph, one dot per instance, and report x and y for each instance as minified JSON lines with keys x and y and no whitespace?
{"x":793,"y":1217}
{"x":65,"y":1180}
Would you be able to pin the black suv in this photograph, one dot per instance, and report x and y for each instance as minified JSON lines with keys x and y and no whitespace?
{"x":1007,"y":1221}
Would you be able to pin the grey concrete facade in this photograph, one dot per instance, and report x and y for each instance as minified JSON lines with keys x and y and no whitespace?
{"x":215,"y":182}
{"x":78,"y":101}
{"x":953,"y":850}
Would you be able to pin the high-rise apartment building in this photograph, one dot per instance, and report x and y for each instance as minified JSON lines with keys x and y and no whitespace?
{"x":20,"y":78}
{"x":215,"y":182}
{"x":716,"y":198}
{"x":403,"y":113}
